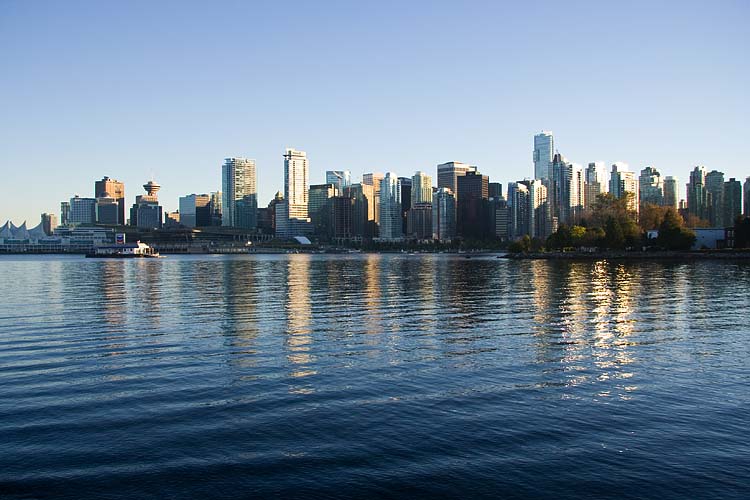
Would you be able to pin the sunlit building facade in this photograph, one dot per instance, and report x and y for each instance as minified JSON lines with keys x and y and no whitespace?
{"x":391,"y":225}
{"x":238,"y":181}
{"x":544,"y":150}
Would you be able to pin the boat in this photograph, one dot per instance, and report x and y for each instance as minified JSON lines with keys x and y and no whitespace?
{"x":124,"y":251}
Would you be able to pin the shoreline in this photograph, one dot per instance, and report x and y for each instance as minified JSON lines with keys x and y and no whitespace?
{"x":623,"y":255}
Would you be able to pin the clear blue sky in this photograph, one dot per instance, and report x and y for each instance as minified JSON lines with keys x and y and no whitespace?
{"x":127,"y":89}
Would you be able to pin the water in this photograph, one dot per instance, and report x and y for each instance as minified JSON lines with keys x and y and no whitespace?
{"x":372,"y":376}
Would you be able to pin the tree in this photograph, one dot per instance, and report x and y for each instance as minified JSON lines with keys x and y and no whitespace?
{"x":522,"y":245}
{"x":672,"y":233}
{"x":576,"y":234}
{"x":693,"y":221}
{"x":651,"y":216}
{"x":614,"y":237}
{"x":560,"y":239}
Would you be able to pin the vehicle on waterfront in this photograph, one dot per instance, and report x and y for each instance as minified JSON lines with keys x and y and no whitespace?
{"x":124,"y":251}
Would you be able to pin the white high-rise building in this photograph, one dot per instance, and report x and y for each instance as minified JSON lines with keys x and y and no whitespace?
{"x":296,"y":174}
{"x":421,"y":188}
{"x":623,"y":181}
{"x":671,"y":192}
{"x":391,"y":224}
{"x":595,"y":184}
{"x":568,"y":190}
{"x":239,"y":188}
{"x":538,"y":211}
{"x":544,"y":150}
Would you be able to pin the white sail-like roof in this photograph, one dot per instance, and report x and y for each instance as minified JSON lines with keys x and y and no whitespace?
{"x":37,"y":233}
{"x":21,"y":233}
{"x":5,"y":231}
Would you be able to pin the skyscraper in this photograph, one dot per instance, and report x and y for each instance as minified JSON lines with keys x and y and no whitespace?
{"x":651,"y":187}
{"x":146,"y":213}
{"x":623,"y":181}
{"x":374,"y":179}
{"x":49,"y":223}
{"x":443,"y":215}
{"x":746,"y":197}
{"x":339,"y":178}
{"x":495,"y":190}
{"x":65,"y":212}
{"x":111,"y":188}
{"x":390,"y":208}
{"x":195,"y":210}
{"x":732,"y":201}
{"x":544,"y":150}
{"x":341,"y":216}
{"x":294,"y":219}
{"x":216,"y":208}
{"x":421,"y":188}
{"x":568,"y":189}
{"x":420,"y":221}
{"x":715,"y":198}
{"x":405,"y":189}
{"x":238,"y":181}
{"x":318,"y":207}
{"x":473,"y":214}
{"x":518,"y":208}
{"x":82,"y":210}
{"x":595,"y":183}
{"x":696,"y":193}
{"x":539,"y":223}
{"x":363,"y":211}
{"x":107,"y":211}
{"x":448,"y":174}
{"x":671,"y":192}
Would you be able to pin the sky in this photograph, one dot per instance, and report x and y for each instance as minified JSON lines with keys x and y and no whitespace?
{"x":166,"y":90}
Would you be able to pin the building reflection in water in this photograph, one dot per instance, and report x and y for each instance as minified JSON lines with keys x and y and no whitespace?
{"x":372,"y":296}
{"x":240,"y":296}
{"x":147,"y":283}
{"x":583,"y":323}
{"x":298,"y":342}
{"x":113,"y":294}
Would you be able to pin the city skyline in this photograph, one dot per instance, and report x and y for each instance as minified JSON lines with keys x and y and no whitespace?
{"x":92,"y":91}
{"x":570,"y":191}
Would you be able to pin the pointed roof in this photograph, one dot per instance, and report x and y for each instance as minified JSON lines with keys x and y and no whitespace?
{"x":5,"y":230}
{"x":21,"y":233}
{"x":37,"y":233}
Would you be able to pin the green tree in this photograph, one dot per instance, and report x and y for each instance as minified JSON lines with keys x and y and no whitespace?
{"x":614,"y":237}
{"x":522,"y":245}
{"x":672,"y":233}
{"x":576,"y":235}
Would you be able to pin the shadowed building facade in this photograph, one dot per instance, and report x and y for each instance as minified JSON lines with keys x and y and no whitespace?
{"x":473,"y":206}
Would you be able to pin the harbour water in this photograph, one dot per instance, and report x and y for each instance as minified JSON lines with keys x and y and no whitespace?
{"x":313,"y":376}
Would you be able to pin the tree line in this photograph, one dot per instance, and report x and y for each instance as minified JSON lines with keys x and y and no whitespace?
{"x":612,"y":225}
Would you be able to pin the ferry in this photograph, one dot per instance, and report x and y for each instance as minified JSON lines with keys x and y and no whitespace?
{"x":124,"y":251}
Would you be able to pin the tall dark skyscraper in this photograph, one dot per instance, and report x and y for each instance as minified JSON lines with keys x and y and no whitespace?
{"x":732,"y":201}
{"x":473,"y":193}
{"x":406,"y":185}
{"x":495,"y":190}
{"x":715,"y":198}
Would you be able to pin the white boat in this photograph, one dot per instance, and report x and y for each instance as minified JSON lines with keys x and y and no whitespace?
{"x":124,"y":251}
